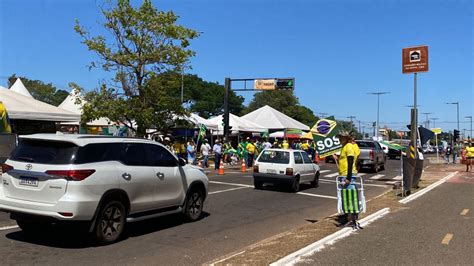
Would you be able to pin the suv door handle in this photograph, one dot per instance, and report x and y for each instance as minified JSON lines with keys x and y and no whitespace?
{"x":127,"y":176}
{"x":160,"y":175}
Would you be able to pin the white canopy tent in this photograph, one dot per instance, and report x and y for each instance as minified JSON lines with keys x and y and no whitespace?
{"x":237,"y":124}
{"x":69,"y":104}
{"x":197,"y":120}
{"x":18,"y":87}
{"x":20,"y":106}
{"x":270,"y":118}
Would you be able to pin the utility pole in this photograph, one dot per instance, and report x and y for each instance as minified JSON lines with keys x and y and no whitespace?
{"x":470,"y":131}
{"x":434,"y":121}
{"x":378,"y":110}
{"x":457,"y":108}
{"x":351,"y":117}
{"x":427,"y":122}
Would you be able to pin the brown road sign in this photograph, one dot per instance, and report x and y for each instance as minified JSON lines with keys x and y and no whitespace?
{"x":415,"y":59}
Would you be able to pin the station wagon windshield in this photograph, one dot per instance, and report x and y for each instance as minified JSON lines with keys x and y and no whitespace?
{"x":269,"y":156}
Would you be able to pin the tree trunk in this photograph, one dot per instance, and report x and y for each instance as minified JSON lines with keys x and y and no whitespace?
{"x":141,"y":131}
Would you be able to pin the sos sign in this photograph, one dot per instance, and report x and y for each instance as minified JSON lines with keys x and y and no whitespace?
{"x":328,"y":145}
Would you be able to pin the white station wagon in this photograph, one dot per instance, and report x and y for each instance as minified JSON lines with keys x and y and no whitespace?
{"x":290,"y":167}
{"x":101,"y":181}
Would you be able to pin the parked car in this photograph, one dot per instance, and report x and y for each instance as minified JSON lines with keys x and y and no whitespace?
{"x":371,"y":155}
{"x":393,"y":153}
{"x":103,"y":182}
{"x":289,"y":167}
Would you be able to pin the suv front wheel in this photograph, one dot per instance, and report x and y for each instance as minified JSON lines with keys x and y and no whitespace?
{"x":110,"y":222}
{"x":194,"y":203}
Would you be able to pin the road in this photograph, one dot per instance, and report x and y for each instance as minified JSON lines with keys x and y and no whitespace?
{"x":434,"y":229}
{"x":236,"y":215}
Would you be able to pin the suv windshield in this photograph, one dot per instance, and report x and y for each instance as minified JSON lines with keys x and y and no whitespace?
{"x":269,"y":156}
{"x":42,"y":151}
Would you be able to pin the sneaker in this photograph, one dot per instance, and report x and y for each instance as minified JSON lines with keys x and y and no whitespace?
{"x":358,"y":226}
{"x":349,"y":224}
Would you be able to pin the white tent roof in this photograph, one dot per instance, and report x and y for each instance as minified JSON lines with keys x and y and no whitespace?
{"x":197,"y":120}
{"x":69,"y":104}
{"x":18,"y":87}
{"x":20,"y":106}
{"x":237,"y":124}
{"x":270,"y":118}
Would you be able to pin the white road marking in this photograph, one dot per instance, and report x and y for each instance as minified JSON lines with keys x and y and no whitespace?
{"x":427,"y":189}
{"x":226,"y":190}
{"x":324,"y":171}
{"x":316,"y":195}
{"x":224,"y":259}
{"x":376,"y":177}
{"x":446,"y":239}
{"x":332,"y":175}
{"x":464,"y":212}
{"x":361,"y":174}
{"x":8,"y":227}
{"x":230,"y":184}
{"x":391,"y":182}
{"x":398,"y":177}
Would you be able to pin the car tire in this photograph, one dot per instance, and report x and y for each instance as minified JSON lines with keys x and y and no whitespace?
{"x":110,"y":222}
{"x":315,"y":182}
{"x":295,"y":186}
{"x":382,"y":167}
{"x":257,"y":184}
{"x":374,"y":168}
{"x":194,"y":205}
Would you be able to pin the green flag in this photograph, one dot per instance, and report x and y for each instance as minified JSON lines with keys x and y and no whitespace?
{"x":202,"y":132}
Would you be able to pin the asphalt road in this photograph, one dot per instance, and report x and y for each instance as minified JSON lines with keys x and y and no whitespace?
{"x":236,"y":215}
{"x":435,"y":229}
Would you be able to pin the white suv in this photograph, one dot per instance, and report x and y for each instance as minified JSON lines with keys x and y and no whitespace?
{"x":105,"y":181}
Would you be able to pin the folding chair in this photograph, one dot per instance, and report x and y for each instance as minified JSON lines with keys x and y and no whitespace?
{"x":351,"y":200}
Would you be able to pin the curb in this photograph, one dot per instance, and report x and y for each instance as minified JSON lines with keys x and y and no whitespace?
{"x":320,"y":244}
{"x":427,"y":189}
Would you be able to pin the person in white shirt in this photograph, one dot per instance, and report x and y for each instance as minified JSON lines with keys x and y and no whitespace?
{"x":205,"y":148}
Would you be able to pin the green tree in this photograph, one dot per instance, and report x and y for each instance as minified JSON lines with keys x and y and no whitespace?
{"x":45,"y":92}
{"x":143,"y":43}
{"x":284,"y":101}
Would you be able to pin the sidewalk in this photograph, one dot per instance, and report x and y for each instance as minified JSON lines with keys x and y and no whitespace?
{"x":279,"y":246}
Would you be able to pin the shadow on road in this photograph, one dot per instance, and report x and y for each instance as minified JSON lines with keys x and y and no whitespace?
{"x":78,"y":238}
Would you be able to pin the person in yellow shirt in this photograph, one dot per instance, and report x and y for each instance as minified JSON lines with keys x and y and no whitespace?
{"x":355,"y":147}
{"x":285,"y":145}
{"x":251,"y":151}
{"x":305,"y":146}
{"x":469,"y":156}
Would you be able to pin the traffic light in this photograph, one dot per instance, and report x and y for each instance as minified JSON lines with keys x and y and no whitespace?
{"x":285,"y":84}
{"x":456,"y":135}
{"x":374,"y":124}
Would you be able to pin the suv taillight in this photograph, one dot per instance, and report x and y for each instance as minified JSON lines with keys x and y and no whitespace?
{"x":255,"y":168}
{"x":371,"y":154}
{"x":6,"y":168}
{"x":76,"y":175}
{"x":289,"y":171}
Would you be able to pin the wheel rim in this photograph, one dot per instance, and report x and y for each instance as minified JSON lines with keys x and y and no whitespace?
{"x":195,"y":205}
{"x":111,"y":222}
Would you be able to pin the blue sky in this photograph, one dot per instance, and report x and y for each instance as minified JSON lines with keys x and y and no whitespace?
{"x":338,"y":51}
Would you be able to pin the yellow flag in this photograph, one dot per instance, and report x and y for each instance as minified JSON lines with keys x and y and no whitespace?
{"x":4,"y":121}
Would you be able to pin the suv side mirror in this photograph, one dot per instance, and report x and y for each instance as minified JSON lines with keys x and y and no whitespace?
{"x":182,"y":162}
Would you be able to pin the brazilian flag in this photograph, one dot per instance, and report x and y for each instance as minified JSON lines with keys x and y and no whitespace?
{"x":4,"y":120}
{"x":202,"y":132}
{"x":350,"y":201}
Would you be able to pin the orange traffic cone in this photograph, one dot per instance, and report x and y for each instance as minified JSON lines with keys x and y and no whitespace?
{"x":221,"y":168}
{"x":316,"y":158}
{"x":243,"y":167}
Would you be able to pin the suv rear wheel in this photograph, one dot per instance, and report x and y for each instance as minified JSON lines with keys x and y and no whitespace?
{"x":194,"y":205}
{"x":110,"y":222}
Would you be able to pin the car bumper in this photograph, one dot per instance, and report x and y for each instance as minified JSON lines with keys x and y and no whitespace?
{"x":273,"y":178}
{"x":366,"y":162}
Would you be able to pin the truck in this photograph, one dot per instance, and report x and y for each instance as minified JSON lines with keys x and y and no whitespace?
{"x":371,"y":156}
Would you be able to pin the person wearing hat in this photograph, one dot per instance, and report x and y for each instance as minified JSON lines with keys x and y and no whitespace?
{"x":217,"y":149}
{"x":346,"y":167}
{"x":205,"y":148}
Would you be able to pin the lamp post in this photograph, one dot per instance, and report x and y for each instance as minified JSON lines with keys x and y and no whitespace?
{"x":434,"y":121}
{"x":457,"y":108}
{"x":470,"y":131}
{"x":378,"y":110}
{"x":351,"y":117}
{"x":427,"y":122}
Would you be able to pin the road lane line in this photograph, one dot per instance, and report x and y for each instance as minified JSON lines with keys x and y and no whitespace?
{"x":229,"y":184}
{"x":398,"y":177}
{"x":332,"y":175}
{"x":376,"y":177}
{"x":226,"y":190}
{"x":464,"y":212}
{"x":299,"y":255}
{"x":224,"y":259}
{"x":316,"y":195}
{"x":8,"y":227}
{"x":427,"y":189}
{"x":446,"y":239}
{"x":324,"y":171}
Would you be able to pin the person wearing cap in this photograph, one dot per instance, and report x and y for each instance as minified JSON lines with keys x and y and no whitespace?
{"x":205,"y":148}
{"x":346,"y":165}
{"x":217,"y":149}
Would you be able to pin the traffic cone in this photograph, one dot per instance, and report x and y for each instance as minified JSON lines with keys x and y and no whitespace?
{"x":221,"y":168}
{"x":316,"y":158}
{"x":243,"y":167}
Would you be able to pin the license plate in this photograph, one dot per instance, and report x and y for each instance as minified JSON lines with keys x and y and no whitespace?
{"x":29,"y":181}
{"x":271,"y":171}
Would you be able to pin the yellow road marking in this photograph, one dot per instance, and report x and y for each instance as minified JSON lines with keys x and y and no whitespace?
{"x":446,"y":239}
{"x":464,"y":212}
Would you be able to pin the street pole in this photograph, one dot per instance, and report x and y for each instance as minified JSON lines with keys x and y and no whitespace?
{"x":470,"y":131}
{"x":225,"y":119}
{"x":378,"y":110}
{"x":434,"y":121}
{"x":351,"y":117}
{"x":457,"y":111}
{"x":427,"y":122}
{"x":414,"y":122}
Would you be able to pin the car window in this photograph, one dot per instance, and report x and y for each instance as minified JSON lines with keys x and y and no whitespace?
{"x":306,"y":158}
{"x":298,"y":158}
{"x":159,"y":156}
{"x":46,"y":152}
{"x":365,"y":144}
{"x":134,"y":154}
{"x":98,"y":152}
{"x":271,"y":156}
